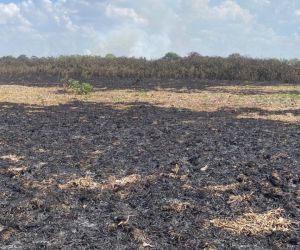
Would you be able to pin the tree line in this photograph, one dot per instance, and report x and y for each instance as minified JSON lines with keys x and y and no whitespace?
{"x":171,"y":66}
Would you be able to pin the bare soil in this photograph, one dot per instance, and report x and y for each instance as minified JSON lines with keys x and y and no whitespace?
{"x":161,"y":165}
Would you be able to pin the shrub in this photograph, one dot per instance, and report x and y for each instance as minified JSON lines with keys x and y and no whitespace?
{"x":86,"y":88}
{"x":79,"y":88}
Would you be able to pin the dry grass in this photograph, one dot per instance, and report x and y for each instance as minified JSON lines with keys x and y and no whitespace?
{"x":11,"y":157}
{"x":128,"y":180}
{"x":214,"y":189}
{"x":7,"y":233}
{"x":209,"y":246}
{"x":176,"y":169}
{"x":267,"y":98}
{"x":88,"y":183}
{"x":112,"y":182}
{"x":137,"y":234}
{"x":84,"y":183}
{"x":288,"y":117}
{"x":177,"y":205}
{"x":255,"y":224}
{"x":239,"y":198}
{"x":187,"y":186}
{"x":140,"y":236}
{"x":222,"y":188}
{"x":16,"y":170}
{"x":44,"y":184}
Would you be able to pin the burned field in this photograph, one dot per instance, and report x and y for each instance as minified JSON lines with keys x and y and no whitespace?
{"x":162,"y":165}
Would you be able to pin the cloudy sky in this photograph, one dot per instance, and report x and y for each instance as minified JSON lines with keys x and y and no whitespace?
{"x":150,"y":28}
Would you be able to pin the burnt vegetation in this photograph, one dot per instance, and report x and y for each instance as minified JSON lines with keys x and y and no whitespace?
{"x":155,"y":181}
{"x":193,"y":66}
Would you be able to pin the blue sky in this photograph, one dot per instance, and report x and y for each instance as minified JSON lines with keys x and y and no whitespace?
{"x":150,"y":28}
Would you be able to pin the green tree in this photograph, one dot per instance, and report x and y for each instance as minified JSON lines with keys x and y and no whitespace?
{"x":171,"y":56}
{"x":110,"y":56}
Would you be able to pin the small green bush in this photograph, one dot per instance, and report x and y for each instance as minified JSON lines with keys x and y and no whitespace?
{"x":86,"y":88}
{"x":74,"y":84}
{"x":79,"y":88}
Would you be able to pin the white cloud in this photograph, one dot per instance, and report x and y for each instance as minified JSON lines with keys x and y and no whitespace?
{"x":8,"y":11}
{"x":297,"y":12}
{"x":48,"y":5}
{"x":10,"y":14}
{"x":262,"y":2}
{"x":124,"y":12}
{"x":230,"y":9}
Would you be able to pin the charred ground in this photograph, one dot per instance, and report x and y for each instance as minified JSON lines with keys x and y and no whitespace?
{"x":137,"y":167}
